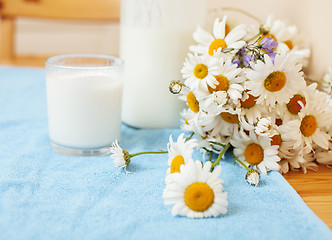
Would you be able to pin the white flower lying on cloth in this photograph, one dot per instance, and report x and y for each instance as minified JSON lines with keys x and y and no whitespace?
{"x":196,"y":192}
{"x":122,"y":158}
{"x":179,"y":152}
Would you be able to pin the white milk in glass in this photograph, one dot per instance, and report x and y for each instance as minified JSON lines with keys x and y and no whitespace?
{"x":155,"y":36}
{"x":84,"y":111}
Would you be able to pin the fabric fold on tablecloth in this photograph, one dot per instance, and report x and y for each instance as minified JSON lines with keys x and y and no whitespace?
{"x":45,"y":195}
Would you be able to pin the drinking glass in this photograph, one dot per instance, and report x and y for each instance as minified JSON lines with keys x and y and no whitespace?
{"x":84,"y":100}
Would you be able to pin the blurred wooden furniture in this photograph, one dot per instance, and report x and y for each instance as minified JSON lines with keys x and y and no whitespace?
{"x":78,"y":10}
{"x":315,"y":188}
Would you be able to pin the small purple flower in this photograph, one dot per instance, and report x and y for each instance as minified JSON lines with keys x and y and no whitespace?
{"x":241,"y":51}
{"x":237,"y":62}
{"x":268,"y":44}
{"x":272,"y":55}
{"x":247,"y":59}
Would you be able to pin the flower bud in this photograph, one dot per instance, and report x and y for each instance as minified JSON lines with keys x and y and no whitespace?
{"x":253,"y":177}
{"x":263,"y":29}
{"x":175,"y":87}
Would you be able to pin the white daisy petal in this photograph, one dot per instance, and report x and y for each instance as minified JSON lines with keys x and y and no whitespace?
{"x":278,"y":82}
{"x":236,"y":34}
{"x":197,"y":176}
{"x":261,"y":154}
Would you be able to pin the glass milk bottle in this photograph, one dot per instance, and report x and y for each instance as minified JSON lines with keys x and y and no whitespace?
{"x":155,"y":36}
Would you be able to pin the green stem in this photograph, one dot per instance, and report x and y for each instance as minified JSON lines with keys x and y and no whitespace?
{"x":148,"y":152}
{"x":220,"y":155}
{"x":191,"y":135}
{"x":210,"y":156}
{"x":216,"y":143}
{"x":237,"y":159}
{"x":206,"y":149}
{"x":243,"y":12}
{"x":226,"y":50}
{"x":254,"y":37}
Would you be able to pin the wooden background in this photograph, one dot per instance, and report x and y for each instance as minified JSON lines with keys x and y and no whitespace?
{"x":58,"y":37}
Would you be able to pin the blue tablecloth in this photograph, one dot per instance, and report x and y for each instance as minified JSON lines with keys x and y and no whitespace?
{"x":45,"y":195}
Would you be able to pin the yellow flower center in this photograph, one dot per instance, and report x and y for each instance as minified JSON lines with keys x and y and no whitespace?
{"x":249,"y":102}
{"x":126,"y":156}
{"x":276,"y":140}
{"x":176,"y":163}
{"x":186,"y":121}
{"x":254,"y":154}
{"x":289,"y":44}
{"x":308,"y":125}
{"x":293,"y":106}
{"x":199,"y":196}
{"x":223,"y":84}
{"x":201,"y":71}
{"x":216,"y":44}
{"x":192,"y":102}
{"x":227,"y":29}
{"x":275,"y":81}
{"x":230,"y":118}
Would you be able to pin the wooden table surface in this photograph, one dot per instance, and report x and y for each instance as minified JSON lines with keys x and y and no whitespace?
{"x":315,"y":188}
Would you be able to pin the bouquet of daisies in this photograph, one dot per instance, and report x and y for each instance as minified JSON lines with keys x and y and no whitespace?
{"x":244,"y":87}
{"x":245,"y":92}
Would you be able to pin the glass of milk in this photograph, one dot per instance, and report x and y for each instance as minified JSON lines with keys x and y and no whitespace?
{"x":84,"y":100}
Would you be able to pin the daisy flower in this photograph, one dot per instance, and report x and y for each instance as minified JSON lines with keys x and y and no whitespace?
{"x":289,"y":111}
{"x":298,"y":158}
{"x":214,"y":102}
{"x":250,"y":110}
{"x":309,"y":161}
{"x":199,"y":72}
{"x":222,"y":124}
{"x":219,"y":13}
{"x":284,"y":166}
{"x":196,"y":192}
{"x":192,"y":102}
{"x":209,"y":44}
{"x":279,"y":31}
{"x":326,"y":85}
{"x":301,"y":56}
{"x":121,"y":157}
{"x":190,"y":122}
{"x":287,"y":38}
{"x":193,"y":115}
{"x":311,"y":125}
{"x":290,"y":164}
{"x":179,"y":152}
{"x":322,"y":156}
{"x":275,"y":83}
{"x":266,"y":127}
{"x":228,"y":80}
{"x":255,"y":151}
{"x":294,"y":158}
